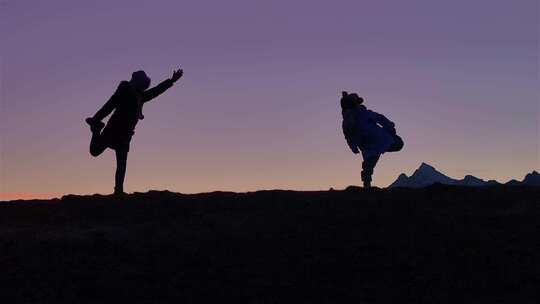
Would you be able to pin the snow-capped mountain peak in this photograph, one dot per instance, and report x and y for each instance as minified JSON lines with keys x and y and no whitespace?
{"x":532,"y":179}
{"x":427,"y":175}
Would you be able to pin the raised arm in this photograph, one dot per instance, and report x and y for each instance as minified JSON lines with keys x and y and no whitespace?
{"x":162,"y":87}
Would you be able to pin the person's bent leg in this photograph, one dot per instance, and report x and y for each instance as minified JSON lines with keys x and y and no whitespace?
{"x":121,"y":163}
{"x":397,"y":145}
{"x":367,"y":169}
{"x":97,"y":145}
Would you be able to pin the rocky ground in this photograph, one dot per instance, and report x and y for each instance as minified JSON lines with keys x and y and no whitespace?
{"x":440,"y":244}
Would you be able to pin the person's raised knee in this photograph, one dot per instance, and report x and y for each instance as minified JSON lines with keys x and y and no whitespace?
{"x":400,"y":145}
{"x":95,"y":152}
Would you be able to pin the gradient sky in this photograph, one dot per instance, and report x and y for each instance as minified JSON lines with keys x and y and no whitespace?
{"x":258,"y":105}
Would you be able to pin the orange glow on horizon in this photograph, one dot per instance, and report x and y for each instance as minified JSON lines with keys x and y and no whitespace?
{"x":11,"y":196}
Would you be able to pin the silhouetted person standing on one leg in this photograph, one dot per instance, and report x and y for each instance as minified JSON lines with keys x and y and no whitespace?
{"x":127,"y":103}
{"x":368,"y":131}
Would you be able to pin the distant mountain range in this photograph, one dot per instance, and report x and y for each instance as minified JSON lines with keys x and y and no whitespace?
{"x":427,"y":175}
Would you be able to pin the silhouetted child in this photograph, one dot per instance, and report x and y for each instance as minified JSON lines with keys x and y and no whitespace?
{"x":127,"y":103}
{"x":368,"y":131}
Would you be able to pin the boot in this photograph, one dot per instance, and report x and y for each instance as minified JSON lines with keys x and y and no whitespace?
{"x":95,"y":126}
{"x":119,"y":192}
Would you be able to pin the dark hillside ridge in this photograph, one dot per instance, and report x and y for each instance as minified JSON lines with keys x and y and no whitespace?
{"x":439,"y":244}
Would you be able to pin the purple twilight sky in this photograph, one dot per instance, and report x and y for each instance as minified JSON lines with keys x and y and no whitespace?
{"x":258,"y":105}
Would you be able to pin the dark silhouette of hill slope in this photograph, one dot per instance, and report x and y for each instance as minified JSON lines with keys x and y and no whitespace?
{"x":440,"y":244}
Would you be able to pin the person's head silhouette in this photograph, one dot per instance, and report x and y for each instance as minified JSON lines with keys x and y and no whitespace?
{"x":349,"y":101}
{"x":140,"y":80}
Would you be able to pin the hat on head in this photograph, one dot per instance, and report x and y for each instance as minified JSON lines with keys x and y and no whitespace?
{"x":356,"y":98}
{"x":350,"y":100}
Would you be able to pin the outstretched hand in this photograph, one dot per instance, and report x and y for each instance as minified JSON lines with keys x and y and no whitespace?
{"x":177,"y":75}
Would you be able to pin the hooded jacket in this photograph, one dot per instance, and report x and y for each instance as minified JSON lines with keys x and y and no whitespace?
{"x":367,"y":130}
{"x":126,"y":102}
